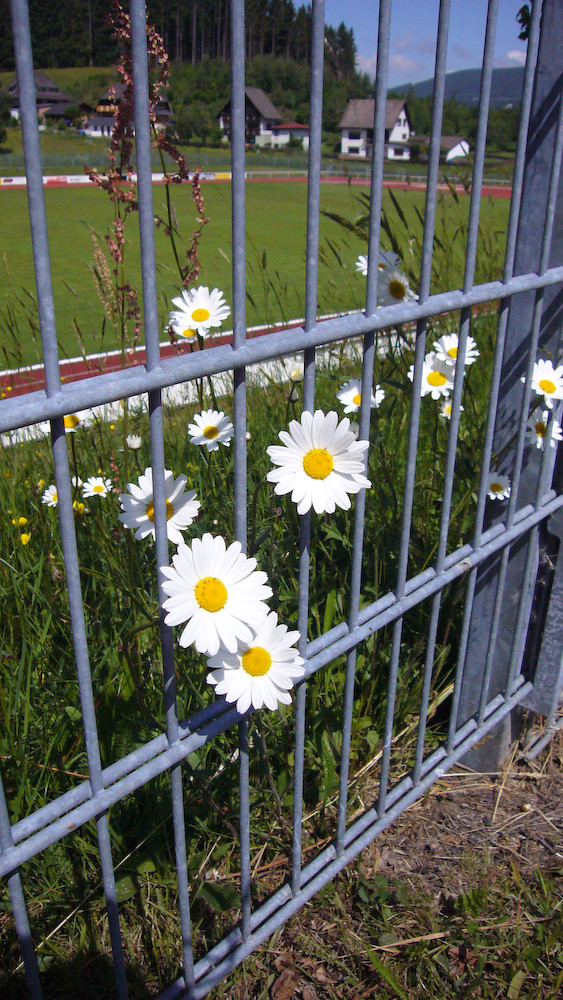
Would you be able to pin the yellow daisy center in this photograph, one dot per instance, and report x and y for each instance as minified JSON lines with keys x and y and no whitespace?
{"x":188,"y":332}
{"x":210,"y":432}
{"x":318,"y":463}
{"x":71,"y":421}
{"x":397,"y":289}
{"x":98,"y":489}
{"x":169,"y":511}
{"x":54,"y":498}
{"x":452,"y":352}
{"x":546,"y":385}
{"x":211,"y":593}
{"x":357,"y":399}
{"x":200,"y":315}
{"x":436,"y":378}
{"x":256,"y":661}
{"x":497,"y":487}
{"x":540,"y":428}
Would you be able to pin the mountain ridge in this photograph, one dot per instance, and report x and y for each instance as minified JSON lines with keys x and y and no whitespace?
{"x":463,"y":86}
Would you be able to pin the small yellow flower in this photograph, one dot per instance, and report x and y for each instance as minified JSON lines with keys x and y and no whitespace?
{"x":21,"y":521}
{"x":24,"y":538}
{"x":78,"y":507}
{"x":8,"y":475}
{"x":41,"y":484}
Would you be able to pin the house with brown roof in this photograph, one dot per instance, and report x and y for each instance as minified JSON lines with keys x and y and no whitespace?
{"x":281,"y":134}
{"x":52,"y":102}
{"x":102,"y":121}
{"x":357,"y":129}
{"x":260,"y":117}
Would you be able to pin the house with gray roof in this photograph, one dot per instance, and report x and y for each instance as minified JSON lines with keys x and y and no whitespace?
{"x":357,"y":129}
{"x":260,"y":117}
{"x":52,"y":102}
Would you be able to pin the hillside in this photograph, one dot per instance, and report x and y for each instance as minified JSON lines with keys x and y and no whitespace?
{"x":463,"y":85}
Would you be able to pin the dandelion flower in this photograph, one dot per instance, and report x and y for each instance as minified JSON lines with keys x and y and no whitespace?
{"x":350,"y":395}
{"x":447,"y":346}
{"x":211,"y":428}
{"x":437,"y":377}
{"x":72,"y":423}
{"x":197,"y":310}
{"x":537,"y":429}
{"x":320,"y":463}
{"x":218,"y":592}
{"x":96,"y":486}
{"x":393,"y":287}
{"x":498,"y":486}
{"x":138,"y":506}
{"x":50,"y":496}
{"x":386,"y":259}
{"x":134,"y":441}
{"x":262,"y":671}
{"x":548,"y":380}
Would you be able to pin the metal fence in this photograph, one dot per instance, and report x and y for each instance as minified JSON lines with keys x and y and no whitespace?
{"x":498,"y":666}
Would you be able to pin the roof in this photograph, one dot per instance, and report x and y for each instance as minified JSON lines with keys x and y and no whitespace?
{"x":359,"y":113}
{"x":291,"y":125}
{"x":261,"y":102}
{"x":47,"y":91}
{"x":449,"y":141}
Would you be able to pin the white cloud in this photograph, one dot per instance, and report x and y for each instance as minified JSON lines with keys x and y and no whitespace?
{"x":516,"y":56}
{"x":401,"y":64}
{"x":409,"y":41}
{"x":366,"y":64}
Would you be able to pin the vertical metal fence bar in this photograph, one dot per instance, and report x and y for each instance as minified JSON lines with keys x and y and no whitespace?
{"x":510,"y":253}
{"x":465,"y":323}
{"x":156,"y":416}
{"x":238,"y":128}
{"x":32,"y":155}
{"x":376,"y":192}
{"x":17,"y":898}
{"x":311,"y":287}
{"x":424,"y":291}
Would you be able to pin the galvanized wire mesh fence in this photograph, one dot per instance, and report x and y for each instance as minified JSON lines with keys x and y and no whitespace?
{"x":490,"y":679}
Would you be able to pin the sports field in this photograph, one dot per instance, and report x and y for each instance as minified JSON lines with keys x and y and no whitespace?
{"x":276,"y":227}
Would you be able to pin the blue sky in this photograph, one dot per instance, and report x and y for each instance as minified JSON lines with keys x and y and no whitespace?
{"x":413,"y":32}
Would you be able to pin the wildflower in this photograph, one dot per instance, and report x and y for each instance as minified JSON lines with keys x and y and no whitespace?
{"x":24,"y":538}
{"x":96,"y":486}
{"x":446,"y":409}
{"x":76,"y":482}
{"x":71,"y":422}
{"x":211,"y":428}
{"x":262,"y":671}
{"x":20,"y":521}
{"x":78,"y":507}
{"x":437,"y":377}
{"x":386,"y":259}
{"x":296,"y":372}
{"x":138,"y":506}
{"x":50,"y":496}
{"x":537,"y":428}
{"x":498,"y":486}
{"x":320,"y":463}
{"x":548,"y":380}
{"x":217,"y":591}
{"x":197,"y":311}
{"x":134,"y":441}
{"x":447,"y":346}
{"x":350,"y":395}
{"x":393,"y":287}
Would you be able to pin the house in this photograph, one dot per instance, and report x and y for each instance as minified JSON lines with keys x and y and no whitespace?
{"x":453,"y":147}
{"x":260,"y":117}
{"x":281,"y":134}
{"x":357,"y":129}
{"x":52,"y":102}
{"x":103,"y":120}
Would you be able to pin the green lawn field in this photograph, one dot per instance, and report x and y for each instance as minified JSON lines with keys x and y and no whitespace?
{"x":276,"y":227}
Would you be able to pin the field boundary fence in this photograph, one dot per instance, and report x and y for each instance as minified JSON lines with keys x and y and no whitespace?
{"x":510,"y":641}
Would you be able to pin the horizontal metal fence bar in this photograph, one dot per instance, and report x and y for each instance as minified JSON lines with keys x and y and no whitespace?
{"x":35,"y":407}
{"x":283,"y":905}
{"x":56,"y":825}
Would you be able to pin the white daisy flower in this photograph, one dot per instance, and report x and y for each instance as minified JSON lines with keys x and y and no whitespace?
{"x":350,"y":395}
{"x":138,"y":506}
{"x":393,"y":287}
{"x":498,"y":486}
{"x":320,"y":463}
{"x":72,"y":423}
{"x":446,"y":349}
{"x":50,"y":496}
{"x":211,"y":428}
{"x":76,"y":482}
{"x":446,"y":409}
{"x":197,"y":310}
{"x":537,"y":428}
{"x":297,"y":372}
{"x":217,"y":591}
{"x":548,"y":380}
{"x":437,"y":377}
{"x":386,"y":259}
{"x":261,"y":671}
{"x":134,"y":441}
{"x":97,"y":486}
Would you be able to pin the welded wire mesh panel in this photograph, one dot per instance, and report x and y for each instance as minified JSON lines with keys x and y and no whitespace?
{"x":389,"y":601}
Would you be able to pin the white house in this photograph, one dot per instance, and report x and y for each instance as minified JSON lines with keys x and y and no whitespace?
{"x":357,"y":129}
{"x":281,"y":134}
{"x":260,"y":117}
{"x":453,"y":147}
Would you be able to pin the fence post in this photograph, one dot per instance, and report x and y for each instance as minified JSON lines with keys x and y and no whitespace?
{"x":519,"y":584}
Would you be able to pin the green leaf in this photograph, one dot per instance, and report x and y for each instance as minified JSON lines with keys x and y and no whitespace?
{"x":516,"y":984}
{"x":220,"y":897}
